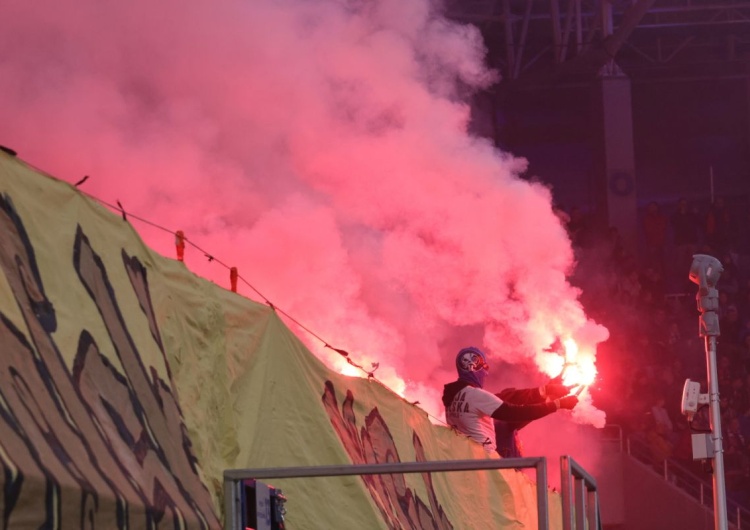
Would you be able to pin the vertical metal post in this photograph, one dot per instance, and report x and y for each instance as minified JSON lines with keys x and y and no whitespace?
{"x":581,"y":499}
{"x":593,"y":510}
{"x":720,"y":495}
{"x":566,"y":486}
{"x":706,"y":271}
{"x":232,"y":503}
{"x":541,"y":495}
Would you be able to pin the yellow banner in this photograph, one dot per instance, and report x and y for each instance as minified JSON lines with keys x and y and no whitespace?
{"x":128,"y":385}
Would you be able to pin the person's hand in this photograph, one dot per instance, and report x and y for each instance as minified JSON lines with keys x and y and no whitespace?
{"x":556,"y":390}
{"x":567,"y":402}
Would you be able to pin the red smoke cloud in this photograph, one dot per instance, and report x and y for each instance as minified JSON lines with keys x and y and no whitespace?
{"x":319,"y":146}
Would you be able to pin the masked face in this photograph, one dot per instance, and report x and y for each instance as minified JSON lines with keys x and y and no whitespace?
{"x":472,"y":362}
{"x":472,"y":366}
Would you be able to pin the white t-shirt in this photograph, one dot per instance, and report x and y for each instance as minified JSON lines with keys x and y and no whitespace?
{"x":471,"y":413}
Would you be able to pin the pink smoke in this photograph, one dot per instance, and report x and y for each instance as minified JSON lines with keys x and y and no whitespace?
{"x":319,"y":146}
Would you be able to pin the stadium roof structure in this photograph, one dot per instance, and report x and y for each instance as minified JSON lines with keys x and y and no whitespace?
{"x":533,"y":41}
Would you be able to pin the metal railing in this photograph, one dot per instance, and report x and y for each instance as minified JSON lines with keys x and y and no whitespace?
{"x":233,"y":478}
{"x":688,"y":481}
{"x":580,"y":498}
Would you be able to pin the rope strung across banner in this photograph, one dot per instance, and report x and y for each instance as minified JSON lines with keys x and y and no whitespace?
{"x":181,"y":240}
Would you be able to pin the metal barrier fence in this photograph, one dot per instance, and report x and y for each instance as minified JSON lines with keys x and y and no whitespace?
{"x":234,"y":478}
{"x":580,"y":498}
{"x":688,"y":481}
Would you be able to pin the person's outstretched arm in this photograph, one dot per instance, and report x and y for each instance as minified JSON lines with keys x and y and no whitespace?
{"x":527,"y":396}
{"x":508,"y":412}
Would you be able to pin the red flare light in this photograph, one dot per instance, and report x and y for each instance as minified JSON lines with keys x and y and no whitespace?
{"x":578,"y":370}
{"x":574,"y":365}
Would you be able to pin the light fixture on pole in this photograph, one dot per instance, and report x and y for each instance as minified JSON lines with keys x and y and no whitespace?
{"x":705,"y":271}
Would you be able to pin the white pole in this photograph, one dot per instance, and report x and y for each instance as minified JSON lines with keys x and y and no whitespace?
{"x":706,"y":271}
{"x":714,"y":414}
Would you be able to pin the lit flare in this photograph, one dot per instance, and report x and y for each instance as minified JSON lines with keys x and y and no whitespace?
{"x":574,"y":364}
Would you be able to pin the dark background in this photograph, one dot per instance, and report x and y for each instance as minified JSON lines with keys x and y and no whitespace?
{"x":688,"y":62}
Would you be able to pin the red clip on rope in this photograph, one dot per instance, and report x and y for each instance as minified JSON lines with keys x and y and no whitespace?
{"x":179,"y":243}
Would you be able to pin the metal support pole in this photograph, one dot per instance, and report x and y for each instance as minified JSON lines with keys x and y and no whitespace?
{"x":541,"y":494}
{"x":232,"y":504}
{"x":566,"y":487}
{"x":720,"y":495}
{"x":706,"y":271}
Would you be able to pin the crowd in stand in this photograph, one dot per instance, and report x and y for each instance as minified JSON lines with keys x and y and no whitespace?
{"x":648,"y":304}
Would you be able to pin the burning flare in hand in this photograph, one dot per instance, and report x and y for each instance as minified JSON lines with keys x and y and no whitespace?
{"x":576,"y":369}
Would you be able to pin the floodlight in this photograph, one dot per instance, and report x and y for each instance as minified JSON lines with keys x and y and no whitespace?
{"x":705,"y":271}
